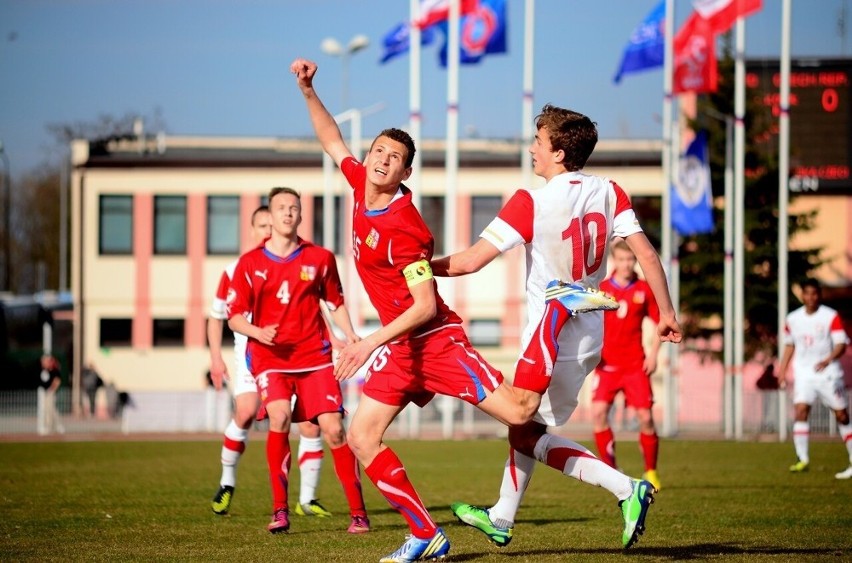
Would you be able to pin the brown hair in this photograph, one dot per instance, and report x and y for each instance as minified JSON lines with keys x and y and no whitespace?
{"x":399,"y":136}
{"x":571,"y":132}
{"x":275,"y":191}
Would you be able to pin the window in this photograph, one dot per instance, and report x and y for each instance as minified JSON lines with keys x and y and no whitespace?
{"x":115,"y":224}
{"x":432,"y":211}
{"x":223,"y":225}
{"x":169,"y":225}
{"x":340,"y":224}
{"x":483,"y":209}
{"x":168,"y":332}
{"x":116,"y":332}
{"x":485,"y":332}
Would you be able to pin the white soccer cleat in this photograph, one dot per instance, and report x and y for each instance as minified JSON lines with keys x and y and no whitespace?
{"x":846,"y":474}
{"x":578,"y":299}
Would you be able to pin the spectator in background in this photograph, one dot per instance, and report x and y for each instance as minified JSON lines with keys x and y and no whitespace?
{"x":91,"y":381}
{"x":50,"y":380}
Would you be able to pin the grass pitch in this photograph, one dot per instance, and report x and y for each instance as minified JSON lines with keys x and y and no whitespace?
{"x":143,"y":501}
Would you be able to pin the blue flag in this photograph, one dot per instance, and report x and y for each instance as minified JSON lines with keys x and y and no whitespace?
{"x":645,"y":48}
{"x":482,"y":32}
{"x":396,"y":41}
{"x":692,"y":198}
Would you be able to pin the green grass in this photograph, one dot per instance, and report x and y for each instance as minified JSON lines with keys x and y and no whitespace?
{"x":119,"y":501}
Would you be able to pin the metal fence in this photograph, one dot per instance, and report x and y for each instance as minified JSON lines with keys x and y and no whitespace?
{"x":27,"y":413}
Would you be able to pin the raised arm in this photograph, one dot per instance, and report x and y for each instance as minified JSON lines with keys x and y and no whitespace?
{"x":473,"y":259}
{"x":326,"y":129}
{"x":668,"y":328}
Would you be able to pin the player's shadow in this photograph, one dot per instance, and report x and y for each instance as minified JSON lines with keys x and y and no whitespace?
{"x":675,"y":553}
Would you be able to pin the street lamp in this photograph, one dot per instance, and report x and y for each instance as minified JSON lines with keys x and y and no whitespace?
{"x":331,"y":46}
{"x":7,"y":219}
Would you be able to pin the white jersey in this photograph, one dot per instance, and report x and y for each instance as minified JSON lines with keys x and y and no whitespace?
{"x":242,"y":381}
{"x":814,"y":336}
{"x":566,"y":227}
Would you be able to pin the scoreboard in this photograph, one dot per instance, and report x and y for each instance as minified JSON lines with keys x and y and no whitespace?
{"x":820,"y":120}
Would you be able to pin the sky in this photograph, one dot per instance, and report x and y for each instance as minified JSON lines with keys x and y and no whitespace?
{"x":220,"y":67}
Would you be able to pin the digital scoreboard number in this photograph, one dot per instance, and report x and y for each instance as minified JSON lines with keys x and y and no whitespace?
{"x":820,"y":120}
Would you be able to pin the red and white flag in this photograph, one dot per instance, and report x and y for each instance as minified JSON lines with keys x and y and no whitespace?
{"x":723,"y":14}
{"x":436,"y":11}
{"x":695,"y":57}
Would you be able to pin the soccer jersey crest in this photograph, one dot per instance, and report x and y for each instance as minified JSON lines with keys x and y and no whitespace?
{"x":308,"y":273}
{"x":372,"y":239}
{"x":639,"y":297}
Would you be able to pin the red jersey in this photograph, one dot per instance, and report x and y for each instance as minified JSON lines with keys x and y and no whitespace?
{"x":622,"y":344}
{"x":384,"y":243}
{"x":268,"y":289}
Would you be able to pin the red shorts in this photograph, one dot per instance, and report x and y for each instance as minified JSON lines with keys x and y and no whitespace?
{"x":316,"y":392}
{"x":416,"y":369}
{"x":635,"y":384}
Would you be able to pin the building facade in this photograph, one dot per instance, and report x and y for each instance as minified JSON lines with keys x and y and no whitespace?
{"x":155,"y":221}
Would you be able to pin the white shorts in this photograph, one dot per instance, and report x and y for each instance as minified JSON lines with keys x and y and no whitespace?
{"x":829,"y":388}
{"x":243,"y":381}
{"x":560,"y":399}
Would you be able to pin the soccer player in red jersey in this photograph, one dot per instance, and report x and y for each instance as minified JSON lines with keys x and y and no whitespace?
{"x":624,"y":366}
{"x":244,"y":390}
{"x":422,"y":347}
{"x":274,"y":300}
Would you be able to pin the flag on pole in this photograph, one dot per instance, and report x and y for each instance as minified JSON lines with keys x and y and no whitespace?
{"x":483,"y":32}
{"x":396,"y":41}
{"x":695,"y":57}
{"x":436,"y":11}
{"x":692,"y":198}
{"x":723,"y":14}
{"x":645,"y":49}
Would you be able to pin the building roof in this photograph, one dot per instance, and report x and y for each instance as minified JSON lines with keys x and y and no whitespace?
{"x":162,"y":151}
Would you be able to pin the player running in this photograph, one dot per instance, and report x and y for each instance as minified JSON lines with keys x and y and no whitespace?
{"x":566,"y":227}
{"x":422,"y":348}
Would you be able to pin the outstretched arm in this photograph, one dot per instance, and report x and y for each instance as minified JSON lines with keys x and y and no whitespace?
{"x":467,"y":261}
{"x":326,"y":129}
{"x":668,"y":328}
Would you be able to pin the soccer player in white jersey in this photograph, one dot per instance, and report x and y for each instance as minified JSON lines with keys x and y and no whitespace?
{"x":246,"y":402}
{"x":566,"y":227}
{"x":814,"y":340}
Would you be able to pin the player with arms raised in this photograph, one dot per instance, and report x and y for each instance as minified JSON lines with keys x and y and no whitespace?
{"x":424,"y":350}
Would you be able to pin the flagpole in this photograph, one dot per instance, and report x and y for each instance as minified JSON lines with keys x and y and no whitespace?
{"x":669,"y":411}
{"x":527,"y":102}
{"x":739,"y":225}
{"x":783,"y":201}
{"x":414,"y":116}
{"x":451,"y":166}
{"x":451,"y":149}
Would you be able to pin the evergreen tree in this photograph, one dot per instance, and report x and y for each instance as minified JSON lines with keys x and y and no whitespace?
{"x":702,"y":256}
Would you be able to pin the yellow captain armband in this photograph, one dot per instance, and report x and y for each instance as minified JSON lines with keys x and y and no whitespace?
{"x":417,"y":272}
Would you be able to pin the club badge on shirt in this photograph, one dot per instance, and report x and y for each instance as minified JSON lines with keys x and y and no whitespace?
{"x":308,"y":273}
{"x":373,"y":239}
{"x":639,"y":297}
